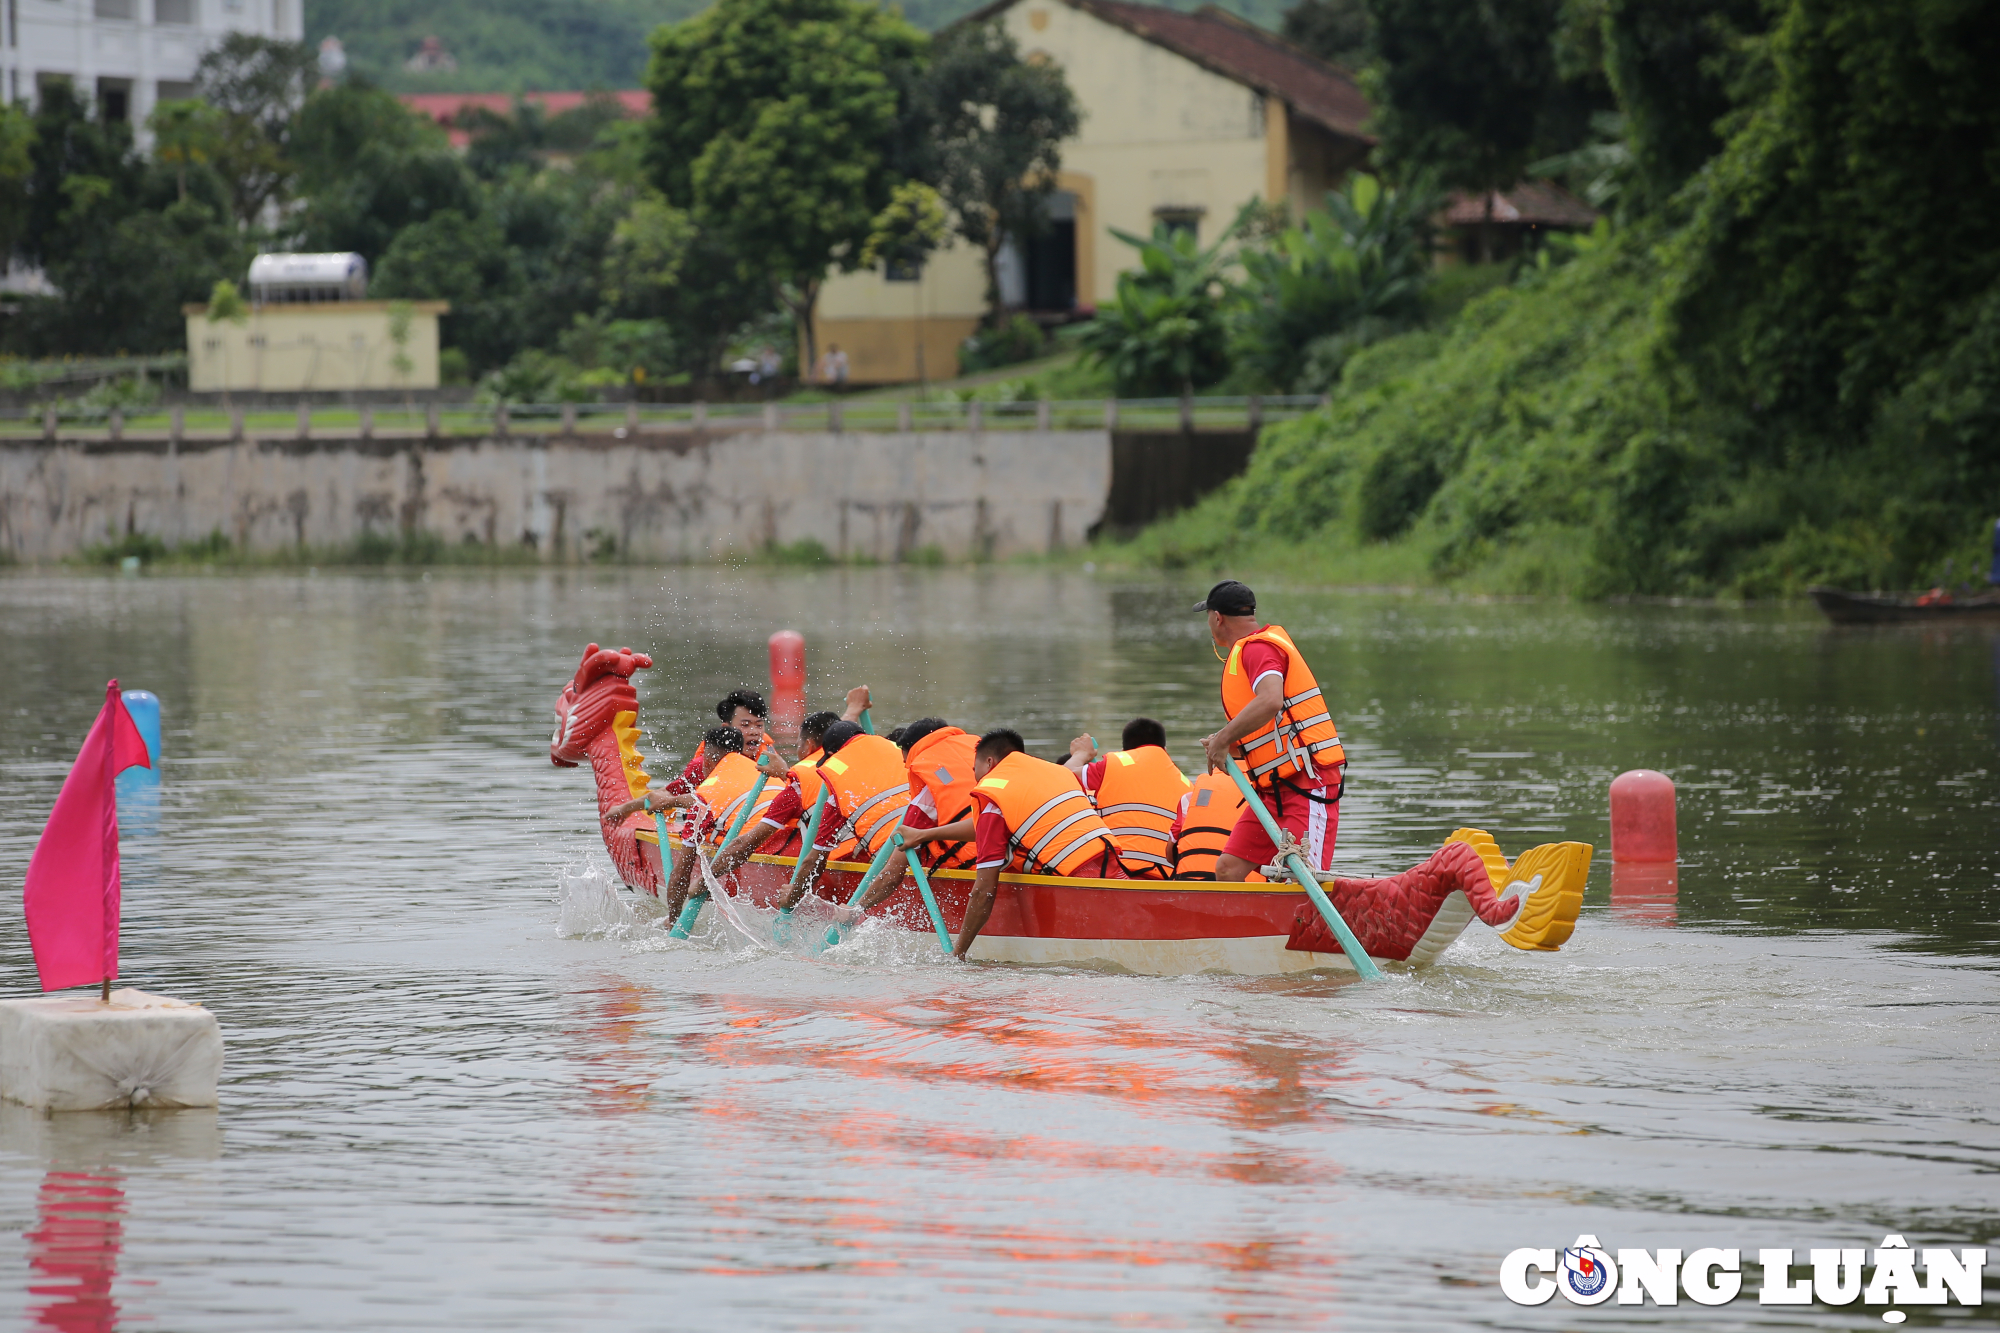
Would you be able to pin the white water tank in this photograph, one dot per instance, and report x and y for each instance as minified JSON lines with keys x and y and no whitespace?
{"x":285,"y":278}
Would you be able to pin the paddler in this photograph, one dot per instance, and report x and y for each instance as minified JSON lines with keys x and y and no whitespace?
{"x":1031,"y":815}
{"x":939,"y":760}
{"x":867,"y":790}
{"x":1137,"y":790}
{"x":726,"y":782}
{"x":1202,"y":824}
{"x":744,"y":712}
{"x":782,"y":818}
{"x":1279,"y":728}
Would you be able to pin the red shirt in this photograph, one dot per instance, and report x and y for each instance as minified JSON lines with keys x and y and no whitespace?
{"x":1261,"y":659}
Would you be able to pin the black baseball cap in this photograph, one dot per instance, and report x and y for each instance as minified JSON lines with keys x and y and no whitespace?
{"x":1230,"y":598}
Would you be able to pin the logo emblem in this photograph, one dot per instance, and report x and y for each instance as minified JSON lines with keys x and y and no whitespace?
{"x":1586,"y":1274}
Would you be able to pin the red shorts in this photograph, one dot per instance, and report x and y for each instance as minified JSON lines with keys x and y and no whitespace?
{"x":1312,"y":823}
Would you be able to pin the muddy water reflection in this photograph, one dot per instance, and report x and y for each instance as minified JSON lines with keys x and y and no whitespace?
{"x":438,"y":1113}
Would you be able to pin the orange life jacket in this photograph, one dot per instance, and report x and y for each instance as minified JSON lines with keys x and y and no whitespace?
{"x":1052,"y":829}
{"x":1301,"y":742}
{"x":1208,"y":814}
{"x":701,"y":751}
{"x":1137,"y":800}
{"x":725,"y":790}
{"x":872,"y":787}
{"x":941,"y":763}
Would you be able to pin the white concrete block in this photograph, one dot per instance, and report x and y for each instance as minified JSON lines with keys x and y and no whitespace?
{"x":78,"y":1053}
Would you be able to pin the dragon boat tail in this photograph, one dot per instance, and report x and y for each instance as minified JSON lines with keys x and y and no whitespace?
{"x":1159,"y":927}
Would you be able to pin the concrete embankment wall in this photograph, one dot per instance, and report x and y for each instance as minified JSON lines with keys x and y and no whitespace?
{"x":677,"y":495}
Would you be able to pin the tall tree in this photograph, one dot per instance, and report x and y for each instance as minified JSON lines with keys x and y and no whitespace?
{"x":368,"y":167}
{"x":256,"y":85}
{"x":774,"y":123}
{"x":1337,"y":31}
{"x":1673,"y":64}
{"x":1471,"y":91}
{"x":990,"y":128}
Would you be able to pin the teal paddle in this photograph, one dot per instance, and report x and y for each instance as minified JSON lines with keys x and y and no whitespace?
{"x":930,"y":900}
{"x":691,"y":911}
{"x":867,"y":724}
{"x":811,"y":834}
{"x":889,"y":848}
{"x":1364,"y":966}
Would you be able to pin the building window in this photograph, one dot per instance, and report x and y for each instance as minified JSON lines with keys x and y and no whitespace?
{"x":902,"y":270}
{"x":1178,"y":220}
{"x":173,"y":11}
{"x":175,"y":90}
{"x":114,"y":100}
{"x":115,"y":9}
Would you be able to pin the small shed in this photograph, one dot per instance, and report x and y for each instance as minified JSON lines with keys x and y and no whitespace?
{"x":311,"y":327}
{"x":1483,"y":228}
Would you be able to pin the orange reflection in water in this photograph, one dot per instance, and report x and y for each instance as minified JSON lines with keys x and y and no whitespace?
{"x":74,"y":1251}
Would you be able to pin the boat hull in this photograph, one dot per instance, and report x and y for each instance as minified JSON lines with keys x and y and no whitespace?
{"x":1152,"y":927}
{"x":1854,"y":608}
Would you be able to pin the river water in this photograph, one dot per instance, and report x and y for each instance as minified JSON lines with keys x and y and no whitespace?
{"x":468,"y":1087}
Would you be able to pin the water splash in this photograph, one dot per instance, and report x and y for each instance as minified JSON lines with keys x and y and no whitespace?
{"x":589,"y":905}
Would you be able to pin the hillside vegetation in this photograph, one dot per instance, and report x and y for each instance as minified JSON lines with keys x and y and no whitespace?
{"x":1786,"y":371}
{"x":517,"y":46}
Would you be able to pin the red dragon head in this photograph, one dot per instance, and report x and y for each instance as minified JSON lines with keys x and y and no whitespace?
{"x":600,"y":690}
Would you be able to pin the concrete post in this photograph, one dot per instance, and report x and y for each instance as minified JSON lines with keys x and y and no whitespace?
{"x":973,"y":416}
{"x":1326,"y":400}
{"x":500,"y":420}
{"x":49,"y":423}
{"x":431,"y":419}
{"x":903,"y":416}
{"x":177,"y":425}
{"x":833,"y":416}
{"x":1111,"y":414}
{"x":569,"y":419}
{"x":1041,"y":414}
{"x":117,"y":424}
{"x":367,"y":422}
{"x":305,"y":420}
{"x":1256,"y":413}
{"x":1187,"y":414}
{"x":698,"y":419}
{"x":632,"y":417}
{"x":770,"y":416}
{"x":236,"y":423}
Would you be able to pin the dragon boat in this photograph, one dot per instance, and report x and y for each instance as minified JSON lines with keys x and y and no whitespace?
{"x":1157,"y":927}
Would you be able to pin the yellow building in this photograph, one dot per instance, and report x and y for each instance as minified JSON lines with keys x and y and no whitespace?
{"x":1186,"y":118}
{"x":327,"y":345}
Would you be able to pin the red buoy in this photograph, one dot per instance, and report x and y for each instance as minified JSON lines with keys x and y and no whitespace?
{"x":1642,"y":817}
{"x":788,"y":662}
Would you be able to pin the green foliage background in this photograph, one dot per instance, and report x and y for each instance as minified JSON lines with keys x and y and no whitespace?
{"x":516,"y":45}
{"x":1786,"y":372}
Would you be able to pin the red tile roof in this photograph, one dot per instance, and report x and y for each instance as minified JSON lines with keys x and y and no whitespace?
{"x":1236,"y":49}
{"x":1533,"y":203}
{"x":444,"y":107}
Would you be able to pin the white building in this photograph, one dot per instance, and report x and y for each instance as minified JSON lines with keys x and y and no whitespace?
{"x":126,"y":54}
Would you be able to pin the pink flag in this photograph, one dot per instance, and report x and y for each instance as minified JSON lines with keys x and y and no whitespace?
{"x":72,"y":889}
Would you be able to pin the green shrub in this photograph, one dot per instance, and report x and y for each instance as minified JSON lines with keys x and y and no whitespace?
{"x":1019,"y":339}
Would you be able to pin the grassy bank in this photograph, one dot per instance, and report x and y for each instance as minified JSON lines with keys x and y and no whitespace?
{"x":1544,"y":441}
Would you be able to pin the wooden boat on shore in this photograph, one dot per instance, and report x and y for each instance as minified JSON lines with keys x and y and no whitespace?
{"x":1158,"y":927}
{"x":1874,"y":608}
